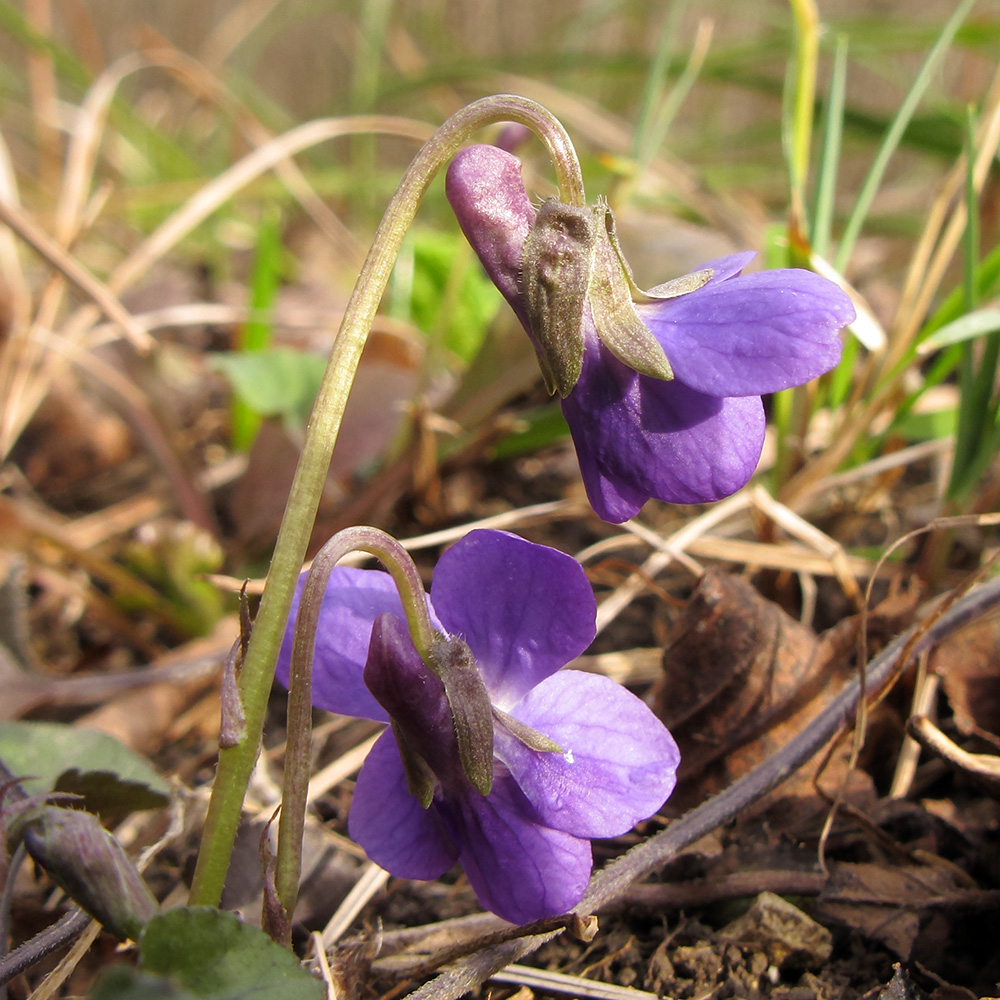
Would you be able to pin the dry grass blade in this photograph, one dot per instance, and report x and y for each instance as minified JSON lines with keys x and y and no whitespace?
{"x":560,"y":982}
{"x":984,"y":767}
{"x":795,"y":525}
{"x":669,"y":551}
{"x":220,"y":189}
{"x":70,"y":268}
{"x":210,"y":197}
{"x":85,"y":138}
{"x":928,"y":265}
{"x":206,"y":86}
{"x":336,"y":771}
{"x":52,"y":983}
{"x":540,"y":512}
{"x":372,"y":879}
{"x":10,"y":258}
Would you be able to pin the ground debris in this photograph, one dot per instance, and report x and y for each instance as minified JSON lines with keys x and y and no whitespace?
{"x":785,"y":934}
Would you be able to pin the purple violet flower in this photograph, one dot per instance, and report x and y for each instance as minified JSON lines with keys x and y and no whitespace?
{"x":727,"y":338}
{"x":524,"y":610}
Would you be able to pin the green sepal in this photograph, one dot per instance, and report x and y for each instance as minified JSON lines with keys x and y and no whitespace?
{"x":419,"y":776}
{"x":531,"y":738}
{"x":677,"y":287}
{"x":557,"y":263}
{"x":612,"y":292}
{"x":471,"y":711}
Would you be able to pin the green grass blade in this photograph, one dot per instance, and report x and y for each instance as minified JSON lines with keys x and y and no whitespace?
{"x":829,"y":157}
{"x":256,"y":335}
{"x":895,"y":133}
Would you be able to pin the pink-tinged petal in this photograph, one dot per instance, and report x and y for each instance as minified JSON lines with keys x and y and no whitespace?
{"x":638,"y":437}
{"x":525,"y":610}
{"x":752,"y":334}
{"x":389,"y":823}
{"x":519,"y":869}
{"x":619,"y":764}
{"x":487,"y":194}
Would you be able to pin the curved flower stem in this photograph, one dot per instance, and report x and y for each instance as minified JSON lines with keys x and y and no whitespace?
{"x":236,"y":763}
{"x":612,"y":882}
{"x":298,"y":749}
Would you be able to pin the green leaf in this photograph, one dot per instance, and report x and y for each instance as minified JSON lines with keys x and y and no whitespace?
{"x":257,"y":332}
{"x":121,"y":982}
{"x":537,"y":429}
{"x":214,"y":955}
{"x":55,"y":757}
{"x":450,"y":297}
{"x":277,"y":382}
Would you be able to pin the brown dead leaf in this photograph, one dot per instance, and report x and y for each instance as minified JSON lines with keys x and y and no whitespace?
{"x":969,"y":666}
{"x":741,"y":677}
{"x":893,"y":905}
{"x":143,"y":711}
{"x":734,"y":667}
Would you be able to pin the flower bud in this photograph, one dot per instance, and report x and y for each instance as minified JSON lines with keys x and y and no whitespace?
{"x":89,"y":865}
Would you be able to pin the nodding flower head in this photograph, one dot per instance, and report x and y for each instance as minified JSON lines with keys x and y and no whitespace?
{"x":661,"y":389}
{"x":495,"y":756}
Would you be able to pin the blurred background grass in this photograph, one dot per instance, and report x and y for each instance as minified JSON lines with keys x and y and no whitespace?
{"x":117,"y":118}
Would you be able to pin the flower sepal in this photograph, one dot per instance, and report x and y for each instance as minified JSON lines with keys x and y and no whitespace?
{"x":419,"y":777}
{"x":452,"y":661}
{"x":613,"y":294}
{"x":557,"y":266}
{"x":531,"y":738}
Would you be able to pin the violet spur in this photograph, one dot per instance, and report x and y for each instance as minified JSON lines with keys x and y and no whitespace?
{"x":661,"y":389}
{"x":575,"y":755}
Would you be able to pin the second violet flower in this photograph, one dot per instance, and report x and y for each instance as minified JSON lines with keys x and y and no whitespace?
{"x":661,"y":389}
{"x":575,"y":755}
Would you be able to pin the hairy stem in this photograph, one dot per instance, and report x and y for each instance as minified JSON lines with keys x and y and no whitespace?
{"x":298,"y":749}
{"x":236,"y":763}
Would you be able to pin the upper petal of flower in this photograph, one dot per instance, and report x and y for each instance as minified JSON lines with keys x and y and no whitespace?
{"x":638,"y":437}
{"x":525,"y":610}
{"x":519,"y":869}
{"x":389,"y":823}
{"x":754,"y":333}
{"x":619,"y":764}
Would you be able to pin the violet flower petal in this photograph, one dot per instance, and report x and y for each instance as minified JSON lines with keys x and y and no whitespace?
{"x":354,"y":598}
{"x":620,"y":762}
{"x":752,"y":334}
{"x":389,"y":823}
{"x":519,"y":869}
{"x":525,"y":610}
{"x":638,"y":437}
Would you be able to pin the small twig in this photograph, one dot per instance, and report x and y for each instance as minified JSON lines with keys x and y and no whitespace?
{"x":614,"y":881}
{"x":54,"y":937}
